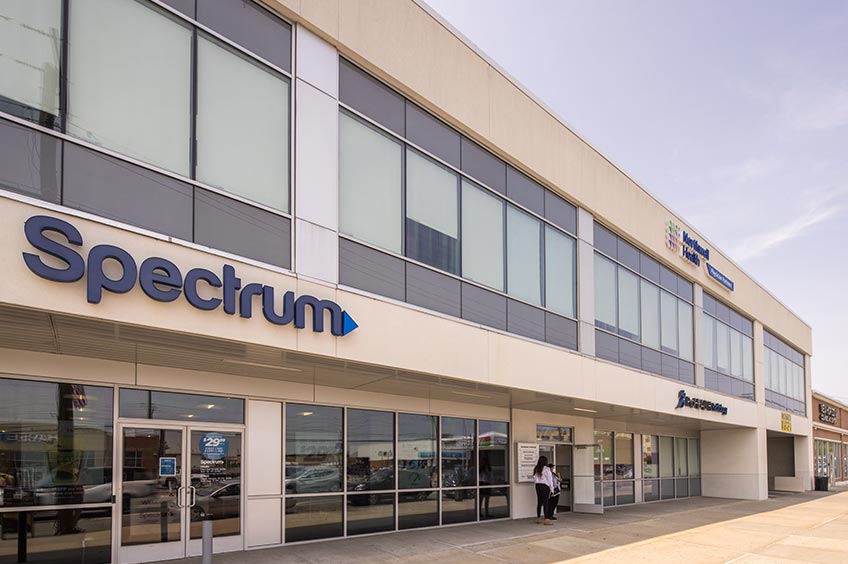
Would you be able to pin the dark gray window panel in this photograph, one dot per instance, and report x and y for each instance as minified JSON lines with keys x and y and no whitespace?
{"x":30,"y":162}
{"x":628,"y":255}
{"x":670,"y":366}
{"x":560,"y":212}
{"x":737,"y":387}
{"x":525,"y":191}
{"x":526,"y":320}
{"x":251,"y":26}
{"x":606,"y":346}
{"x":187,"y":7}
{"x":431,"y":134}
{"x":364,"y":268}
{"x":709,"y":304}
{"x":649,"y":268}
{"x":684,"y":289}
{"x":748,"y":327}
{"x":482,"y":165}
{"x":432,"y":290}
{"x":239,"y":228}
{"x":722,"y":313}
{"x":369,"y":96}
{"x":694,"y":487}
{"x":109,"y":187}
{"x":651,"y":361}
{"x":687,"y":372}
{"x":484,"y":307}
{"x":711,"y":379}
{"x":560,"y":331}
{"x":605,"y":241}
{"x":29,"y":113}
{"x":630,"y":354}
{"x":725,"y":384}
{"x":668,"y":279}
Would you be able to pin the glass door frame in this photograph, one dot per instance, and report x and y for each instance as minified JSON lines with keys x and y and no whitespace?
{"x":185,"y":547}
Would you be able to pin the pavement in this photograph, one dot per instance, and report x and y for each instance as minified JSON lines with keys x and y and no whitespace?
{"x":786,"y":528}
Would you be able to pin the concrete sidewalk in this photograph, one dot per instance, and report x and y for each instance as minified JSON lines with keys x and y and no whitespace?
{"x":808,"y":527}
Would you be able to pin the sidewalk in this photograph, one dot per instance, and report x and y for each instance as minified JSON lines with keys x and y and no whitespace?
{"x":808,"y":527}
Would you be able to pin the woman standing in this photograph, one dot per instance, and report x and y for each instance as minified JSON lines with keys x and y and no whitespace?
{"x":553,"y":501}
{"x":544,"y":487}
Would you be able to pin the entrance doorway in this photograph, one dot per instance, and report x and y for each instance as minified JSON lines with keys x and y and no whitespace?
{"x":174,"y":477}
{"x":561,"y":457}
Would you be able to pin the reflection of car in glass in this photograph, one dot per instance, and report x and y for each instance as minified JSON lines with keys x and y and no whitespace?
{"x":624,"y":471}
{"x":315,"y":479}
{"x":219,"y":501}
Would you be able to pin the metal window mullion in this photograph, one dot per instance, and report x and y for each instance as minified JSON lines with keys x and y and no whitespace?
{"x":439,"y":467}
{"x":397,"y":470}
{"x":284,"y":495}
{"x":542,"y":268}
{"x":344,"y":471}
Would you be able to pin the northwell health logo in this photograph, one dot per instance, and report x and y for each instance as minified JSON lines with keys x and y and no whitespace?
{"x":691,"y":250}
{"x":161,"y":280}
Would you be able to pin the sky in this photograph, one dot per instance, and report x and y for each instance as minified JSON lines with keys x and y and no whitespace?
{"x":735,"y":114}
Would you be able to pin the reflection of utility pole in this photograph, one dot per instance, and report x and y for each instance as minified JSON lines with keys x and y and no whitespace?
{"x":66,"y":474}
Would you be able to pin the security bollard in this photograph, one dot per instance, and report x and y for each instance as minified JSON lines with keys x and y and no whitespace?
{"x":207,"y":542}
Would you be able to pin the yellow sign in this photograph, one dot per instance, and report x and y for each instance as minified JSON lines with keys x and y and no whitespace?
{"x":786,"y":422}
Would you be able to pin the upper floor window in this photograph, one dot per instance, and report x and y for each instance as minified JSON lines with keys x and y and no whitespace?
{"x":785,"y":380}
{"x":728,"y":350}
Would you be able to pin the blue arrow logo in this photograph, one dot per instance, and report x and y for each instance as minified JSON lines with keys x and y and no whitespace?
{"x":348,"y":324}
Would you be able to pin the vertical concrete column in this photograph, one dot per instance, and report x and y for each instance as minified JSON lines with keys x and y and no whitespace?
{"x":804,"y":460}
{"x":586,"y":282}
{"x":759,"y":364}
{"x":316,"y":172}
{"x":734,"y":463}
{"x":698,"y":319}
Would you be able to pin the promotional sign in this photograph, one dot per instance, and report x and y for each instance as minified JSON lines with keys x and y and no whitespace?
{"x":167,"y":466}
{"x":527,"y":454}
{"x":161,"y":280}
{"x":685,"y":401}
{"x":691,"y":250}
{"x":213,"y":446}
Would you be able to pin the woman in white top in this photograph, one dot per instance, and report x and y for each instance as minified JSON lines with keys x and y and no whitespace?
{"x":544,"y":487}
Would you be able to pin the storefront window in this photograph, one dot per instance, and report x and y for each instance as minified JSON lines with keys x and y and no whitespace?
{"x":458,"y":453}
{"x":417,"y":448}
{"x":313,"y":451}
{"x":493,"y":445}
{"x":66,"y":536}
{"x":55,"y":444}
{"x":650,"y":456}
{"x":314,"y":517}
{"x":680,"y":456}
{"x":604,"y":439}
{"x":151,"y":404}
{"x":666,"y":457}
{"x":370,"y":450}
{"x":623,"y":456}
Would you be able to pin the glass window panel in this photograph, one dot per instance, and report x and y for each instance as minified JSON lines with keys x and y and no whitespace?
{"x":243,"y":152}
{"x":55,"y":443}
{"x":668,"y":314}
{"x":694,"y":457}
{"x":680,"y":457}
{"x":606,"y":309}
{"x":370,"y":513}
{"x":310,"y":518}
{"x":666,"y":460}
{"x":482,"y":237}
{"x":218,"y":496}
{"x":708,"y":336}
{"x":371,"y":97}
{"x":313,"y":452}
{"x":151,"y":404}
{"x":523,"y":256}
{"x":605,"y":440}
{"x":432,"y":216}
{"x":30,"y":161}
{"x":650,"y":456}
{"x":681,"y":487}
{"x":651,"y":490}
{"x":560,"y":272}
{"x":130,"y":87}
{"x":667,"y":489}
{"x":782,"y":366}
{"x":609,"y":494}
{"x":370,"y":450}
{"x":418,"y":509}
{"x":722,"y":347}
{"x":623,"y":456}
{"x":624,"y":493}
{"x":628,"y":304}
{"x":684,"y":330}
{"x":493,"y":442}
{"x":458,"y":453}
{"x":66,"y":536}
{"x":694,"y":486}
{"x":30,"y":43}
{"x":494,"y":503}
{"x":736,"y":353}
{"x":459,"y":506}
{"x":417,"y":448}
{"x":369,"y":185}
{"x":650,"y":309}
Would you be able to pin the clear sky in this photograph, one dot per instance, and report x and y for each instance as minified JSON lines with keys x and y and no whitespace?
{"x":734,"y":113}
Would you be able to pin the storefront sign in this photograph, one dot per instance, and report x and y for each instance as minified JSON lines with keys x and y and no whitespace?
{"x":161,"y":280}
{"x":691,"y":250}
{"x":685,"y":401}
{"x":550,"y":433}
{"x":827,"y":413}
{"x":167,"y":466}
{"x":213,"y":446}
{"x":786,"y":422}
{"x":527,"y":454}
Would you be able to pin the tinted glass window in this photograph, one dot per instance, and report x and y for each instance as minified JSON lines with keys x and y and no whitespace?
{"x":130,"y":87}
{"x":493,"y":442}
{"x":560,"y":272}
{"x":606,"y":309}
{"x":458,"y":452}
{"x":524,"y":191}
{"x":432,"y":213}
{"x":560,"y":212}
{"x":370,"y":450}
{"x":313,"y":450}
{"x":151,"y":404}
{"x":650,"y":456}
{"x":371,"y":97}
{"x":55,"y":443}
{"x":29,"y":161}
{"x":314,"y":517}
{"x":66,"y":536}
{"x":523,"y":256}
{"x":431,"y":134}
{"x":370,"y":513}
{"x":483,"y":166}
{"x":623,"y":456}
{"x":418,"y":509}
{"x":417,"y":448}
{"x":482,"y":237}
{"x":650,"y":313}
{"x":459,"y":506}
{"x":628,"y":304}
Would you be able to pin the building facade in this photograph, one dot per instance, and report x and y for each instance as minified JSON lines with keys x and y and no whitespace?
{"x":313,"y":269}
{"x":830,"y":436}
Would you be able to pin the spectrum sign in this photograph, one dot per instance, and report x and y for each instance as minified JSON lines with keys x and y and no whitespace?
{"x":691,"y":250}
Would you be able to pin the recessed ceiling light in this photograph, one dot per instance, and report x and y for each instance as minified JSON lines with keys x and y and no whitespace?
{"x":210,"y":406}
{"x":586,"y":410}
{"x":306,"y":413}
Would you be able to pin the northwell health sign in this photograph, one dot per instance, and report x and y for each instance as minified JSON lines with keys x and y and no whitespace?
{"x":161,"y":280}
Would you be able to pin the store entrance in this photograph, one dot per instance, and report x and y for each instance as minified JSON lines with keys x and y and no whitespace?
{"x":174,"y":477}
{"x":561,"y":456}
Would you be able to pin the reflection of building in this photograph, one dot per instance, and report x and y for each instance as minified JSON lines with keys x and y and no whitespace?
{"x":830,"y":434}
{"x":382,"y":268}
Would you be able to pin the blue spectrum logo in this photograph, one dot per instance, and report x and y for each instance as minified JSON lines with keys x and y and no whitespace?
{"x":685,"y":401}
{"x":162,"y":280}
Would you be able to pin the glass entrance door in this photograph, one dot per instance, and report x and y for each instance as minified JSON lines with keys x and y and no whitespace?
{"x":172,"y":479}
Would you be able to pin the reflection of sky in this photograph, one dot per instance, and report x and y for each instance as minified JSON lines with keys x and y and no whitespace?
{"x":35,"y":404}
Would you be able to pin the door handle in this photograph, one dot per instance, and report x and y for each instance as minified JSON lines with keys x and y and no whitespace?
{"x":193,"y":496}
{"x":180,"y":497}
